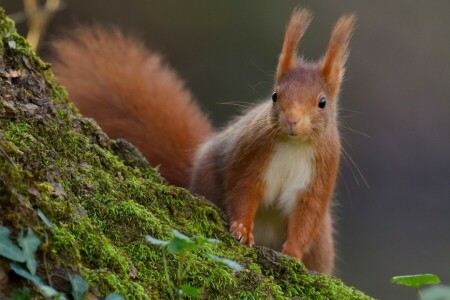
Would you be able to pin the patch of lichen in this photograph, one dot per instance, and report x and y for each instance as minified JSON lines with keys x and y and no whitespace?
{"x":103,"y":199}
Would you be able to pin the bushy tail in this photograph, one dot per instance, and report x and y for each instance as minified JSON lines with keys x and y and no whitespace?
{"x":132,"y":95}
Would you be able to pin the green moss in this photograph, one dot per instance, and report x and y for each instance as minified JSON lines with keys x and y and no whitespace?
{"x":103,"y":205}
{"x":16,"y":43}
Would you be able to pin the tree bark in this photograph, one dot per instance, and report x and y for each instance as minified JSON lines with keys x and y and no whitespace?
{"x":103,"y":198}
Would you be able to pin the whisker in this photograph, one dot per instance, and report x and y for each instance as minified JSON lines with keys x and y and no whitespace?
{"x":234,"y":104}
{"x":273,"y":132}
{"x":356,"y":167}
{"x":350,"y":110}
{"x":244,"y":102}
{"x":355,"y":131}
{"x":348,"y":116}
{"x":261,"y":83}
{"x":350,"y":166}
{"x":253,"y":87}
{"x":267,"y":73}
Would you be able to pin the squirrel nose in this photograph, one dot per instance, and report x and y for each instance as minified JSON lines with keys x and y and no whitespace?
{"x":292,"y":122}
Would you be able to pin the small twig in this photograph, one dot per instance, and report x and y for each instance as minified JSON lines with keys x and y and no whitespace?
{"x":45,"y":262}
{"x":38,"y":18}
{"x":186,"y":269}
{"x":420,"y":293}
{"x":166,"y":272}
{"x":180,"y":271}
{"x":59,"y":276}
{"x":6,"y":155}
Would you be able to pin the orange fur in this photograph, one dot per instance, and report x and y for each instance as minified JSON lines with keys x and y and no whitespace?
{"x":295,"y":30}
{"x":243,"y":190}
{"x":237,"y":159}
{"x":304,"y":227}
{"x":115,"y":80}
{"x":337,"y":54}
{"x":132,"y":95}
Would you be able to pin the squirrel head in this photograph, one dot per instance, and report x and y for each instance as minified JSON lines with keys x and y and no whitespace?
{"x":304,"y":101}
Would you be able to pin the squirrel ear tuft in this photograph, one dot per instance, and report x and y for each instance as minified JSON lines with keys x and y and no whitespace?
{"x":296,"y":27}
{"x":333,"y":64}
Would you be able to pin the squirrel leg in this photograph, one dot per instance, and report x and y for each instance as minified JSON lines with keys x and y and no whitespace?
{"x":320,"y":257}
{"x":243,"y":202}
{"x":243,"y":232}
{"x":303,"y":225}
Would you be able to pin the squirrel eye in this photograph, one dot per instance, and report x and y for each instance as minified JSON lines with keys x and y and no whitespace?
{"x":274,"y":96}
{"x":322,"y":102}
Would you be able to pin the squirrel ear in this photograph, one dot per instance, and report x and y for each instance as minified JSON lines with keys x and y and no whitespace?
{"x":296,"y":27}
{"x":333,"y":65}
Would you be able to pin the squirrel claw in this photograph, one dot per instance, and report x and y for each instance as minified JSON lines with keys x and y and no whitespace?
{"x":242,"y":234}
{"x":291,"y":251}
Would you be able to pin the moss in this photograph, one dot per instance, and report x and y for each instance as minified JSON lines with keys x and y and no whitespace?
{"x":17,"y":44}
{"x":103,"y":198}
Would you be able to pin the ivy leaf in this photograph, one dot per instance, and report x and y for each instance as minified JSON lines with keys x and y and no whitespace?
{"x":156,"y":242}
{"x":45,"y":290}
{"x":188,"y":290}
{"x":179,"y":235}
{"x":202,"y":241}
{"x":180,"y":243}
{"x":20,"y":294}
{"x":29,"y":245}
{"x":228,"y":262}
{"x":439,"y":292}
{"x":19,"y":270}
{"x":177,"y":245}
{"x":45,"y":219}
{"x":79,"y":286}
{"x":114,"y":296}
{"x":416,"y":280}
{"x":7,"y":248}
{"x":48,"y":291}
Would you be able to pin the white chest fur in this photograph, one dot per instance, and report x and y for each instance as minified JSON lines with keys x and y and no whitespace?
{"x":289,"y":172}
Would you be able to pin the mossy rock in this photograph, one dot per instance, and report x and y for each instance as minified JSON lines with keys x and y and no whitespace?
{"x":103,"y":198}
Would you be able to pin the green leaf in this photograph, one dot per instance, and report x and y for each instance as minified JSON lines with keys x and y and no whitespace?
{"x":439,"y":292}
{"x":20,"y":294}
{"x":45,"y":290}
{"x":114,"y":296}
{"x":201,"y":241}
{"x":79,"y":286}
{"x":178,"y":245}
{"x":188,"y":290}
{"x":228,"y":262}
{"x":45,"y":219}
{"x":7,"y":248}
{"x":48,"y":291}
{"x":416,"y":280}
{"x":156,"y":242}
{"x":179,"y":235}
{"x":19,"y":270}
{"x":29,"y":245}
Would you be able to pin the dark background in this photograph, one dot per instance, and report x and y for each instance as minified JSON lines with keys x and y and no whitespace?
{"x":397,"y":91}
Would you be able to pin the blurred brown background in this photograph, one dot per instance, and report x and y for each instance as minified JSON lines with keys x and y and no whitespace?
{"x":397,"y":92}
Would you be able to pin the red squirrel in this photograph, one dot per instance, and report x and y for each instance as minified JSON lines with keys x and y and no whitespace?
{"x":272,"y":170}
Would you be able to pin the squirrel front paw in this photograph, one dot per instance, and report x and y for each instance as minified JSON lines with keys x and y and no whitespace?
{"x":291,"y":250}
{"x":242,"y":233}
